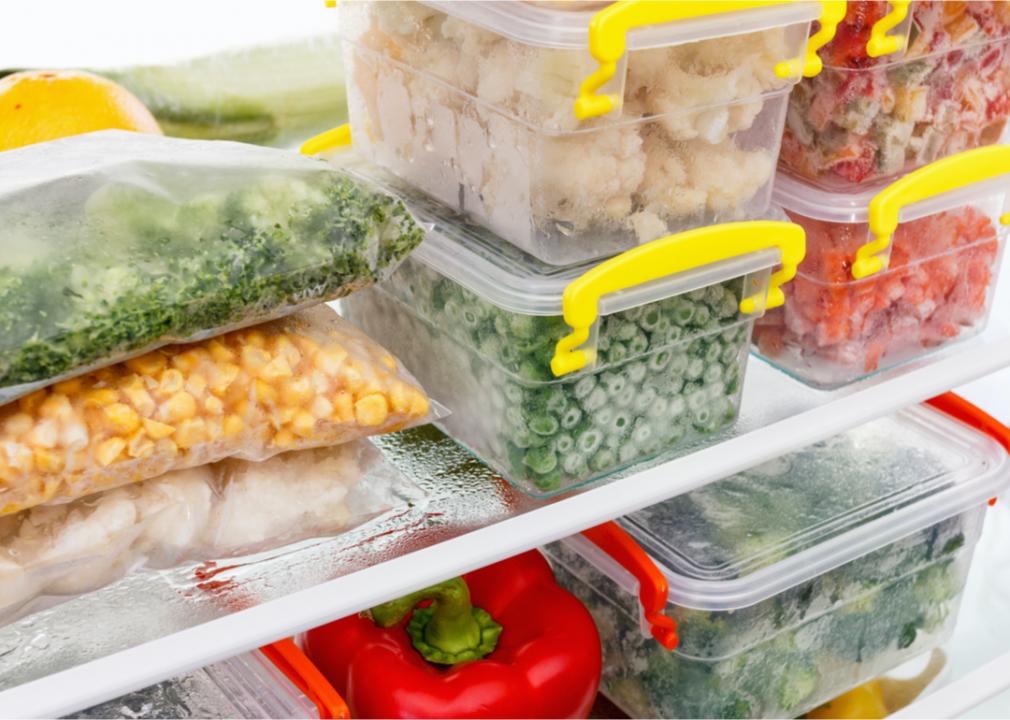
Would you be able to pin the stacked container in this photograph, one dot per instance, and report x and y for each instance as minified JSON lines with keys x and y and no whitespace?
{"x":794,"y":581}
{"x":576,"y":145}
{"x":558,"y":376}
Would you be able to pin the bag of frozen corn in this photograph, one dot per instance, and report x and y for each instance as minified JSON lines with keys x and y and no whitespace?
{"x":116,"y":243}
{"x":226,"y":509}
{"x":304,"y":381}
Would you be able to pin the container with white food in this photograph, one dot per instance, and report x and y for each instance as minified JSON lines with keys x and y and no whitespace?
{"x":578,"y":131}
{"x":798,"y":579}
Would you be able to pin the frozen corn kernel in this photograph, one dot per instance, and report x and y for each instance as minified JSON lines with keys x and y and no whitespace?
{"x":222,"y":377}
{"x":196,"y":385}
{"x":304,"y":424}
{"x":322,"y":408}
{"x":213,"y":405}
{"x":136,"y":393}
{"x":388,"y":360}
{"x":329,"y":359}
{"x":190,"y":433}
{"x":421,"y":406}
{"x":283,"y":347}
{"x":57,"y":405}
{"x":150,"y":364}
{"x":232,"y":426}
{"x":219,"y":352}
{"x":351,"y":377}
{"x":19,"y":456}
{"x":180,"y":406}
{"x":123,"y":417}
{"x":17,"y":425}
{"x":254,"y":359}
{"x":166,"y":448}
{"x":48,"y":461}
{"x":297,"y":391}
{"x":214,"y":430}
{"x":68,"y":387}
{"x":29,"y":403}
{"x":140,"y":445}
{"x":371,"y":410}
{"x":109,"y":451}
{"x":45,"y":434}
{"x":172,"y":381}
{"x":255,"y":338}
{"x":157,"y":430}
{"x":343,"y":407}
{"x":275,"y":370}
{"x":74,"y":434}
{"x":100,"y":396}
{"x":285,"y":439}
{"x":190,"y":360}
{"x":265,"y":393}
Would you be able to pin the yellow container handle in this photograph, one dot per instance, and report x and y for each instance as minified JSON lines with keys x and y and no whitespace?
{"x":338,"y":137}
{"x":609,"y":28}
{"x":942,"y":176}
{"x":880,"y":43}
{"x":669,"y":256}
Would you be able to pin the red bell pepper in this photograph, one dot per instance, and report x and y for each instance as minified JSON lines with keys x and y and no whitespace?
{"x":529,"y":649}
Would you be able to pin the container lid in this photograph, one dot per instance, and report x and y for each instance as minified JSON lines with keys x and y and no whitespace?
{"x":853,"y":207}
{"x":565,"y":25}
{"x":519,"y":283}
{"x":753,"y":535}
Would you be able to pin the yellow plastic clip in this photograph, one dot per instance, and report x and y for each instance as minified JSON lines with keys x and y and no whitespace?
{"x":880,"y":42}
{"x":669,"y":256}
{"x":609,"y":28}
{"x":338,"y":137}
{"x":952,"y":173}
{"x":832,"y":13}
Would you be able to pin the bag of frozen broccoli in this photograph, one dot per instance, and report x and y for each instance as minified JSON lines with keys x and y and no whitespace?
{"x":115,"y":243}
{"x":308,"y":380}
{"x":227,"y":509}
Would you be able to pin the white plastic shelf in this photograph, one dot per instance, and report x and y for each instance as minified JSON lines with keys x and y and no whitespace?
{"x":152,"y":626}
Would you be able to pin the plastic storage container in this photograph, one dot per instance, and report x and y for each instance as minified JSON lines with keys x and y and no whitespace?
{"x":892,"y":276}
{"x":655,"y":357}
{"x":475,"y":103}
{"x":891,"y":99}
{"x":798,"y":579}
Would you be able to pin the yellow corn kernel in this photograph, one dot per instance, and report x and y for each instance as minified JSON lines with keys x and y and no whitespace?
{"x":196,"y":384}
{"x":29,"y":403}
{"x":123,"y":417}
{"x":400,"y":398}
{"x":254,"y":358}
{"x":57,"y":405}
{"x":222,"y":377}
{"x":329,"y":359}
{"x":190,"y":360}
{"x":284,"y":439}
{"x":232,"y":426}
{"x":241,"y":408}
{"x":371,"y":410}
{"x":150,"y":364}
{"x":172,"y":382}
{"x":6,"y":471}
{"x":343,"y":407}
{"x":219,"y":352}
{"x":107,"y":452}
{"x":19,"y":457}
{"x":307,"y":345}
{"x":265,"y":394}
{"x":388,"y":360}
{"x":275,"y":370}
{"x":296,"y":391}
{"x":190,"y":433}
{"x":68,"y":387}
{"x":255,"y":338}
{"x":140,"y":445}
{"x":99,"y":397}
{"x":214,"y":429}
{"x":166,"y":448}
{"x":283,"y":347}
{"x":285,"y":415}
{"x":181,"y":406}
{"x":322,"y":408}
{"x":304,"y":424}
{"x":213,"y":405}
{"x":48,"y":461}
{"x":139,"y":397}
{"x":45,"y":434}
{"x":157,"y":430}
{"x":17,"y":425}
{"x":420,"y":406}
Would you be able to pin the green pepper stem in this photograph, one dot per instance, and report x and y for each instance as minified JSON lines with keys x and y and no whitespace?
{"x":451,"y":630}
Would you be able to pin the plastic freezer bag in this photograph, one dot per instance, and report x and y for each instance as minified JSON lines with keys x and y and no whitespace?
{"x":308,"y":380}
{"x":227,"y":509}
{"x":115,"y":243}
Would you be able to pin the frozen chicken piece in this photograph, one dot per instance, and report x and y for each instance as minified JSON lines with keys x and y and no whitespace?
{"x":306,"y":381}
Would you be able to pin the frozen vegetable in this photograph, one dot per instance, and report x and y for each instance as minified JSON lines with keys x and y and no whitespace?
{"x":502,"y":641}
{"x":116,"y":243}
{"x":485,"y":124}
{"x":305,"y":381}
{"x":227,"y":509}
{"x":864,"y":119}
{"x":667,"y":372}
{"x":936,"y":290}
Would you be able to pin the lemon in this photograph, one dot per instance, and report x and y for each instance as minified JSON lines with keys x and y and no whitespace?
{"x":38,"y":105}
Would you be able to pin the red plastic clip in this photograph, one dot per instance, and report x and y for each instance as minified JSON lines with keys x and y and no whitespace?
{"x":301,"y":671}
{"x":653,"y":590}
{"x":960,"y":409}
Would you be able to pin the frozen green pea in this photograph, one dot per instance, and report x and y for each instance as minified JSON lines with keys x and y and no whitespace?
{"x":712,"y":352}
{"x":678,"y":363}
{"x":548,"y":481}
{"x":695,"y":369}
{"x":602,"y":417}
{"x":659,"y":410}
{"x":682,"y":313}
{"x":729,"y":355}
{"x":628,"y":453}
{"x":643,"y":399}
{"x":571,"y":417}
{"x":574,"y":464}
{"x":651,"y":318}
{"x":617,"y":353}
{"x":642,"y":433}
{"x":676,"y":407}
{"x":584,"y":386}
{"x":712,"y":374}
{"x":522,"y":438}
{"x":540,"y":460}
{"x":626,"y":331}
{"x":659,"y":361}
{"x":697,"y":295}
{"x":589,"y":441}
{"x":638,"y":344}
{"x":635,"y":372}
{"x":702,"y":316}
{"x":603,"y":460}
{"x":596,"y":400}
{"x":544,"y":425}
{"x":564,"y":443}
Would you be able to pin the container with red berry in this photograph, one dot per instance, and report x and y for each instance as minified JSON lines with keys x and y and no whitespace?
{"x":904,"y":84}
{"x":890,"y":275}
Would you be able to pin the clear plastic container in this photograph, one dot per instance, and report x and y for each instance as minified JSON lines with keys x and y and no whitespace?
{"x":798,"y":579}
{"x":655,"y":356}
{"x":862,"y":302}
{"x":888,"y":102}
{"x":475,"y":104}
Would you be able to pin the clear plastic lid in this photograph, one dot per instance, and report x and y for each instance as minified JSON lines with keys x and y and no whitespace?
{"x":753,"y":535}
{"x":843,"y":207}
{"x":516,"y":282}
{"x":564,"y":25}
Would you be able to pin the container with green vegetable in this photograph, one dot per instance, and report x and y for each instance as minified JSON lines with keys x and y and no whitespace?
{"x":115,"y":243}
{"x":798,"y":579}
{"x":654,"y":358}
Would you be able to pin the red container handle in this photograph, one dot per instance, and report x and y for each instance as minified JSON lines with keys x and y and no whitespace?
{"x":301,"y":671}
{"x":960,"y":409}
{"x":653,"y":589}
